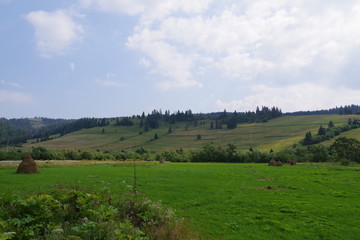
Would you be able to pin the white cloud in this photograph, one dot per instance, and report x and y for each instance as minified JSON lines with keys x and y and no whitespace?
{"x":15,"y":97}
{"x":107,"y":83}
{"x":184,"y":83}
{"x":181,"y":40}
{"x":243,"y":40}
{"x":145,"y":62}
{"x":110,"y":75}
{"x":55,"y":31}
{"x":130,"y":7}
{"x":149,"y":10}
{"x":304,"y":96}
{"x":72,"y":66}
{"x":11,"y":84}
{"x":166,"y":59}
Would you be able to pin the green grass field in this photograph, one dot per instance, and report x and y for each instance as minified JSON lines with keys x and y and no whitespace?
{"x":226,"y":201}
{"x":276,"y":134}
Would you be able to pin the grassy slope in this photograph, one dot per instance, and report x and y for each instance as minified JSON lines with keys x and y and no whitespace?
{"x":276,"y":134}
{"x":228,"y":201}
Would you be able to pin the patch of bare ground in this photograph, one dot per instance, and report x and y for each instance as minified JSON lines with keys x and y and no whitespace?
{"x":269,"y":188}
{"x":278,"y":188}
{"x":267,"y":179}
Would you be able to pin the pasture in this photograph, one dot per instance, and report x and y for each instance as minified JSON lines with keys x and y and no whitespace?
{"x":276,"y":134}
{"x":224,"y":201}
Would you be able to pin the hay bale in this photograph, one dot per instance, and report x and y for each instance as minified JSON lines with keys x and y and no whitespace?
{"x":292,"y":162}
{"x":279,"y":164}
{"x":27,"y":165}
{"x":272,"y":162}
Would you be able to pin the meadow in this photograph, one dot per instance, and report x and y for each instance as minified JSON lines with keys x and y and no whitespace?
{"x":276,"y":134}
{"x":224,"y":201}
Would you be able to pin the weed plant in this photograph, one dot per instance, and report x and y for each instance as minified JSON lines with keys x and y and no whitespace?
{"x":74,"y":214}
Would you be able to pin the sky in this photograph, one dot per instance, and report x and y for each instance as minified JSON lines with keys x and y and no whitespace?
{"x":109,"y":58}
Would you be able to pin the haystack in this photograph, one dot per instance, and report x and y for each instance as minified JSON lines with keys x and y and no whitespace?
{"x":27,"y":165}
{"x":279,"y":164}
{"x":291,"y":162}
{"x":272,"y":162}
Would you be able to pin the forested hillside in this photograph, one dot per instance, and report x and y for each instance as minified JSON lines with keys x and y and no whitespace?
{"x":342,"y":110}
{"x":19,"y":131}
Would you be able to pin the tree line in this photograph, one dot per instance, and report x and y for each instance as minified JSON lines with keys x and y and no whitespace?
{"x":218,"y":119}
{"x":331,"y":131}
{"x":18,"y":131}
{"x":342,"y":110}
{"x":343,"y":150}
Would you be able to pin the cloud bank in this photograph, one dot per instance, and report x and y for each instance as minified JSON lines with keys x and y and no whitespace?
{"x":55,"y":31}
{"x":298,"y":55}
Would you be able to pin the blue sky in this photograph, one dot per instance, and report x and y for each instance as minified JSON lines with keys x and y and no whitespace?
{"x":106,"y":58}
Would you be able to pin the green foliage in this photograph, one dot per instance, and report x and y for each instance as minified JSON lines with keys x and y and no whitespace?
{"x":125,"y":122}
{"x":176,"y":156}
{"x":232,"y":121}
{"x":11,"y":155}
{"x":87,"y":155}
{"x":330,"y":132}
{"x":41,"y":153}
{"x":347,"y":148}
{"x":74,"y":214}
{"x":322,"y":130}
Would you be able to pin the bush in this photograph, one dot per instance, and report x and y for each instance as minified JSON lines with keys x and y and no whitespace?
{"x":175,"y":156}
{"x":12,"y":155}
{"x":74,"y":214}
{"x":87,"y":155}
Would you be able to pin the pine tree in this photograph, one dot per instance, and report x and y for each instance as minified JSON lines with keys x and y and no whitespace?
{"x":308,"y":139}
{"x":322,"y":130}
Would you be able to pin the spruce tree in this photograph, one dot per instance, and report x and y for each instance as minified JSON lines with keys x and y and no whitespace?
{"x":321,"y":131}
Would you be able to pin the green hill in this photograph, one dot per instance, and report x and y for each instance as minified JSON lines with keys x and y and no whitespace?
{"x":275,"y":134}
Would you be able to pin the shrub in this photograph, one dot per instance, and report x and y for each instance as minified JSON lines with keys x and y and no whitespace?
{"x":74,"y":214}
{"x":87,"y":155}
